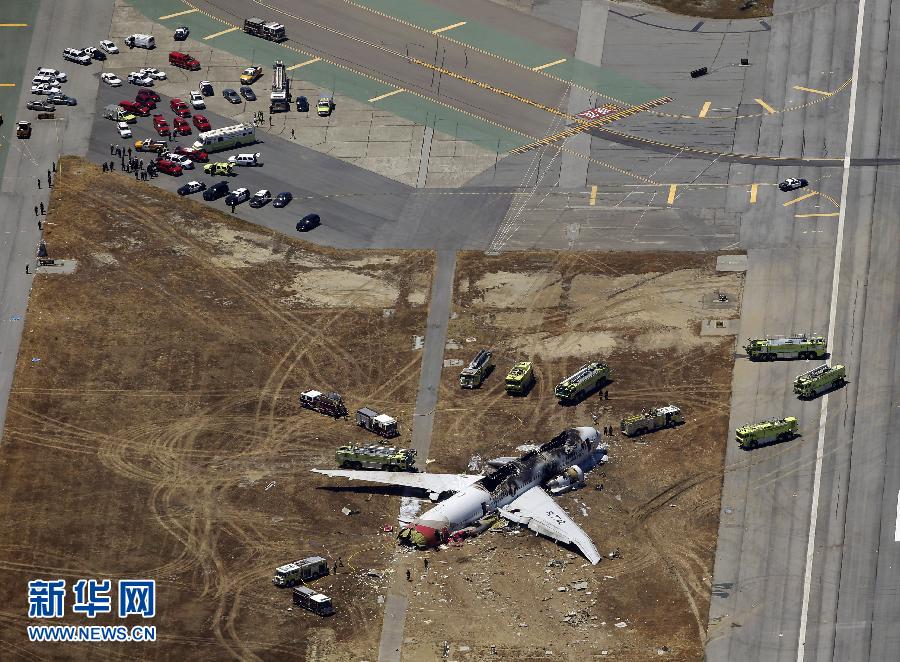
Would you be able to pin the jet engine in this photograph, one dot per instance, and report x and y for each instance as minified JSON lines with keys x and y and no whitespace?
{"x":570,"y":479}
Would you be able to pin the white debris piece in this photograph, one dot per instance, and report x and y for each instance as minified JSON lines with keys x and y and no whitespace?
{"x":621,"y":624}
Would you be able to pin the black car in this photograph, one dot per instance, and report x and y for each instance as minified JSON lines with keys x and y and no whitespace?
{"x":95,"y":53}
{"x":230,"y":95}
{"x":282,"y":199}
{"x":308,"y":222}
{"x":216,"y":191}
{"x":792,"y":184}
{"x":302,"y":105}
{"x":61,"y":100}
{"x":181,"y":33}
{"x":40,"y":106}
{"x":247,"y":93}
{"x":206,"y":88}
{"x":192,"y":187}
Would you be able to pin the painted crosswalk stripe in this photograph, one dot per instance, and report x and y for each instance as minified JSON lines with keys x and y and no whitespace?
{"x":219,"y":34}
{"x":754,"y":189}
{"x":705,"y":109}
{"x":593,"y":195}
{"x":385,"y":96}
{"x":672,"y":189}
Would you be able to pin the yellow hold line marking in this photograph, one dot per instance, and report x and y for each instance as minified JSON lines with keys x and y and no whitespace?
{"x":834,"y":213}
{"x":593,"y":195}
{"x":753,"y":190}
{"x":219,"y":34}
{"x":802,"y":197}
{"x":548,"y":65}
{"x":13,"y":25}
{"x":7,"y":84}
{"x":385,"y":96}
{"x":813,"y":90}
{"x":179,"y":13}
{"x":705,"y":109}
{"x":449,"y":27}
{"x":766,"y":106}
{"x":672,"y":189}
{"x":302,"y":64}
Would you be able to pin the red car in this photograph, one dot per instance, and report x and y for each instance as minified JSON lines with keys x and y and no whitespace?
{"x":202,"y":123}
{"x":160,"y":124}
{"x":196,"y":155}
{"x":135,"y":108}
{"x":180,"y":108}
{"x":181,"y":126}
{"x":169,"y":167}
{"x":146,"y":102}
{"x":145,"y":95}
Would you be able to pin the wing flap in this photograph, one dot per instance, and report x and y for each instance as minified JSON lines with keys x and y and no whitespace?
{"x":540,"y":513}
{"x":435,"y":483}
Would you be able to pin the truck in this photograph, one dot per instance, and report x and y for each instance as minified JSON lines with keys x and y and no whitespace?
{"x":818,"y":380}
{"x":381,"y":424}
{"x":184,"y":61}
{"x":303,"y":570}
{"x":520,"y":378}
{"x":373,"y":456}
{"x":317,"y":603}
{"x":116,"y":113}
{"x":766,"y":432}
{"x":215,"y":140}
{"x":280,"y":98}
{"x":650,"y":420}
{"x":798,"y":346}
{"x":264,"y":29}
{"x":474,"y":373}
{"x":587,"y":378}
{"x":331,"y":404}
{"x":141,"y":41}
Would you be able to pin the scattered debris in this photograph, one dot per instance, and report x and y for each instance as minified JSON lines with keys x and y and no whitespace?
{"x":621,"y":624}
{"x":349,"y":511}
{"x":555,"y":563}
{"x":418,"y":342}
{"x":451,"y":363}
{"x":579,"y":586}
{"x":562,"y":589}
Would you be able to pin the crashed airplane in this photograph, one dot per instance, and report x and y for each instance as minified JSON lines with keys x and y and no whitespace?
{"x":514,"y":490}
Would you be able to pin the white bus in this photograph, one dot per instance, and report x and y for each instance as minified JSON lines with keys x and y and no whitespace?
{"x":226,"y":138}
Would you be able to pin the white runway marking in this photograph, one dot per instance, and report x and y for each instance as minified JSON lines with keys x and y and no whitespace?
{"x":897,"y":524}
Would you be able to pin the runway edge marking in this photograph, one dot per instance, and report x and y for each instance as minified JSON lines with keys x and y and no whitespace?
{"x":832,"y":316}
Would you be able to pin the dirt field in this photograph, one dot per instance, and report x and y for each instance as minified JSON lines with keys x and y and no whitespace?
{"x":715,"y":8}
{"x":513,"y":596}
{"x":154,"y":429}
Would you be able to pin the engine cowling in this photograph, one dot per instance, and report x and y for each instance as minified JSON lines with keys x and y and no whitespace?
{"x":570,"y":479}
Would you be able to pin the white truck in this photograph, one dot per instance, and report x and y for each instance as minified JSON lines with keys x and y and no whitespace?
{"x":141,"y":41}
{"x":280,"y":98}
{"x":303,"y":570}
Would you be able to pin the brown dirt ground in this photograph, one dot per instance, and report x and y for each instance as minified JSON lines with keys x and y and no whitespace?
{"x":660,"y":498}
{"x":159,"y":435}
{"x":715,"y":8}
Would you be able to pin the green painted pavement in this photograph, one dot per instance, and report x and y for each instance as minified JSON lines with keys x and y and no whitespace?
{"x":513,"y":47}
{"x":14,"y":45}
{"x":330,"y":77}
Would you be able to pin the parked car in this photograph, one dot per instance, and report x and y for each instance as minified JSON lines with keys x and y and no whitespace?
{"x":302,"y":105}
{"x":248,"y":160}
{"x":111,"y":79}
{"x":135,"y":108}
{"x":40,"y":106}
{"x":308,"y":222}
{"x":136,"y":78}
{"x":60,"y":99}
{"x":792,"y":184}
{"x":182,"y":128}
{"x":61,"y":76}
{"x":76,"y":55}
{"x":144,"y":96}
{"x":183,"y":161}
{"x":95,"y":53}
{"x":169,"y":167}
{"x":197,"y":101}
{"x":23,"y":129}
{"x":282,"y":199}
{"x":206,"y":88}
{"x":216,"y":191}
{"x":123,"y":129}
{"x":250,"y":75}
{"x":230,"y":95}
{"x":261,"y":198}
{"x":202,"y":123}
{"x":219,"y":168}
{"x":154,"y":73}
{"x":160,"y":124}
{"x":237,"y":196}
{"x":44,"y":88}
{"x":109,"y":46}
{"x":179,"y":107}
{"x":191,"y":187}
{"x":196,"y":155}
{"x":150,"y":145}
{"x":247,"y":93}
{"x":181,"y":33}
{"x":46,"y":80}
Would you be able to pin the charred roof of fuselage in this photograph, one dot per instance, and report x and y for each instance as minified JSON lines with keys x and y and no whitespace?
{"x":530,"y":458}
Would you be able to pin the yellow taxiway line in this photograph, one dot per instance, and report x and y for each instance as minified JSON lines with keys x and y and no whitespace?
{"x":449,"y":27}
{"x":7,"y":84}
{"x":385,"y":96}
{"x":802,"y":197}
{"x":593,"y":195}
{"x":303,"y":64}
{"x":178,"y":13}
{"x":754,"y":188}
{"x":13,"y":25}
{"x":834,"y":213}
{"x":705,"y":109}
{"x":765,"y":106}
{"x":813,"y":90}
{"x":548,"y":65}
{"x":672,"y":189}
{"x":219,"y":34}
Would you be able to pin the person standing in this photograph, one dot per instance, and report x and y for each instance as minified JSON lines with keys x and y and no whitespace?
{"x":112,"y":149}
{"x":42,"y":209}
{"x":39,"y":182}
{"x":40,"y":225}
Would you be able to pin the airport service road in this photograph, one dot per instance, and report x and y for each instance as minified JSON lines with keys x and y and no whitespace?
{"x":768,"y":603}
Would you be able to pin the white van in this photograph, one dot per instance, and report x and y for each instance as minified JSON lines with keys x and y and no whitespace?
{"x":141,"y":41}
{"x":246,"y":159}
{"x":76,"y":55}
{"x":53,"y":73}
{"x":49,"y":80}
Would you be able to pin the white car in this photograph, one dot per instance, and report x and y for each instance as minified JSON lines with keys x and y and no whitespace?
{"x":124,"y":129}
{"x":249,"y":160}
{"x":181,"y":160}
{"x":139,"y":79}
{"x":43,"y":88}
{"x":61,"y":76}
{"x":111,"y":79}
{"x":45,"y":80}
{"x":108,"y":46}
{"x":152,"y":72}
{"x":197,"y":101}
{"x":76,"y":55}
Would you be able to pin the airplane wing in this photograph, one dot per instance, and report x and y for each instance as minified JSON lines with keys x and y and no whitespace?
{"x":435,"y":483}
{"x":537,"y":510}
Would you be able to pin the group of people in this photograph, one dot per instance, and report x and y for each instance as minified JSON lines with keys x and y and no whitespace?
{"x":131,"y":164}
